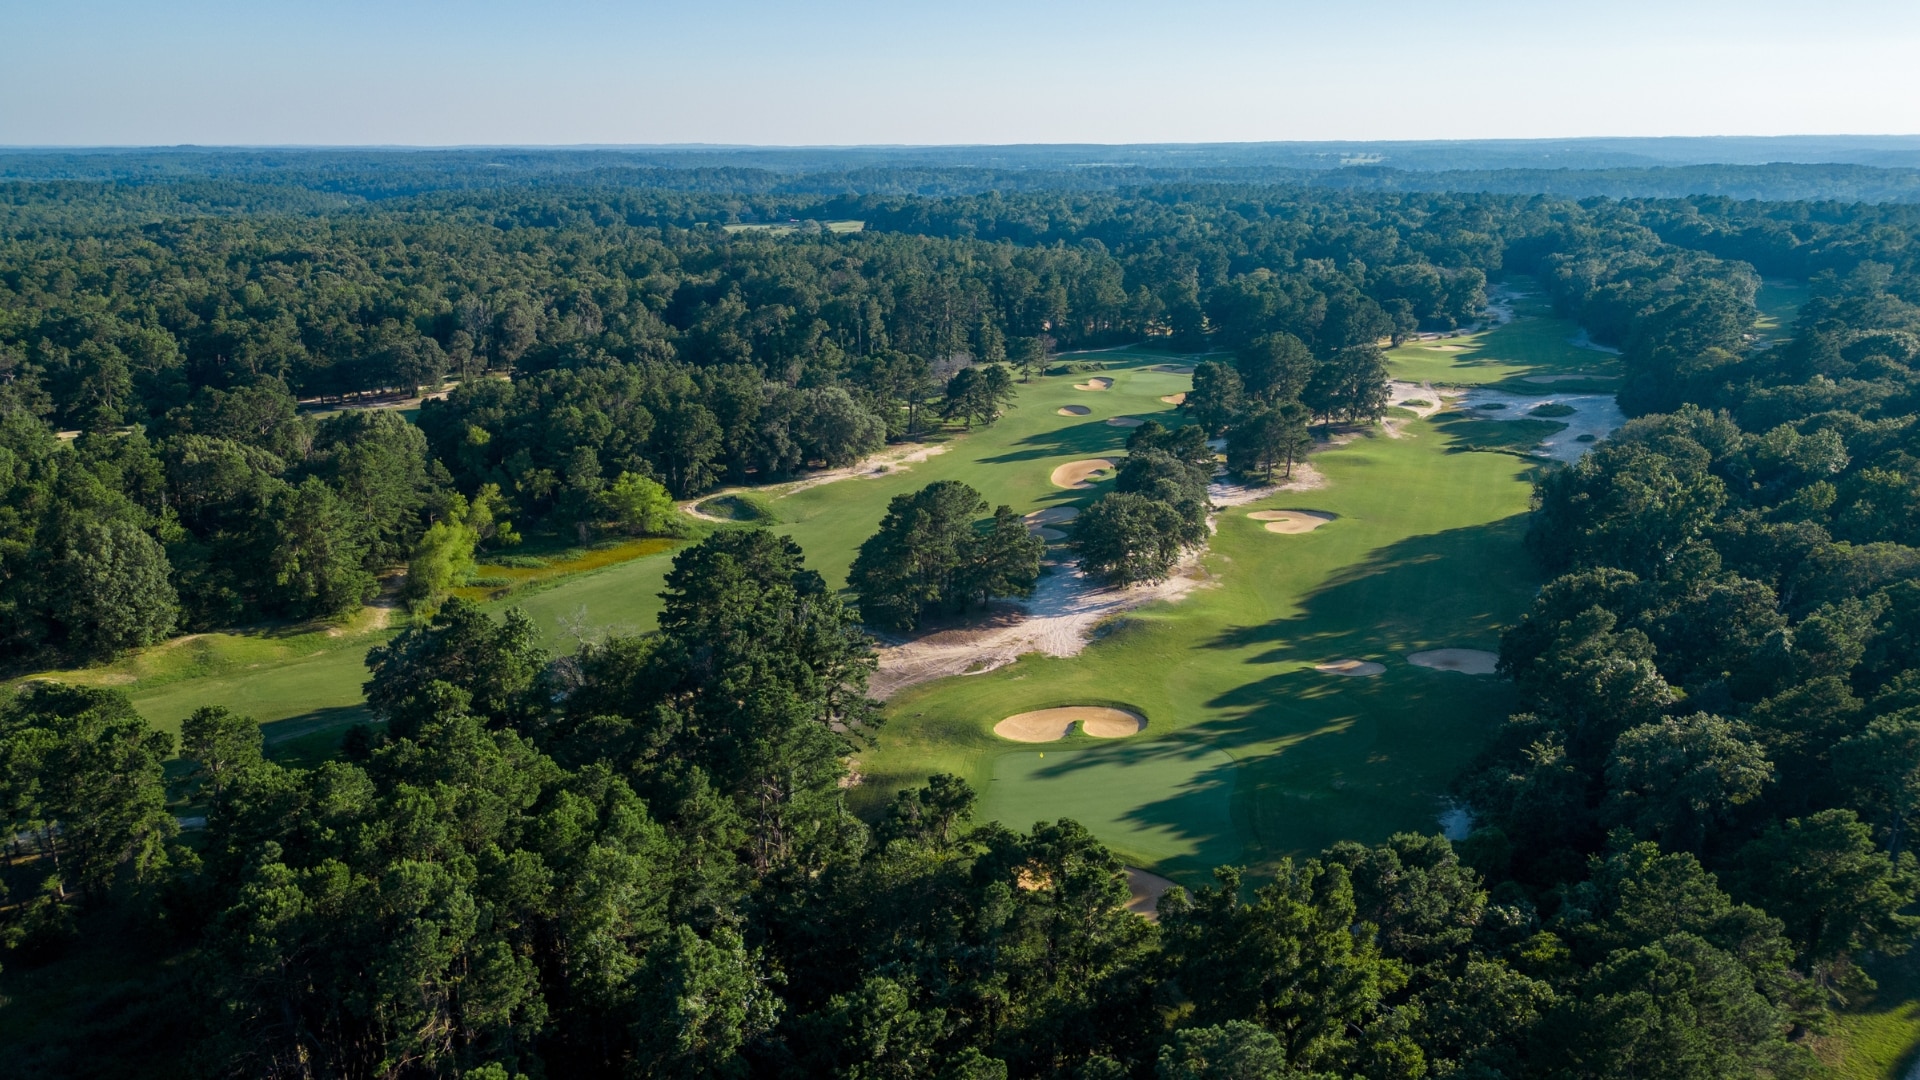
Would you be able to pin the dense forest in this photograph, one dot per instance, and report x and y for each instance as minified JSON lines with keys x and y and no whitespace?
{"x":639,"y":859}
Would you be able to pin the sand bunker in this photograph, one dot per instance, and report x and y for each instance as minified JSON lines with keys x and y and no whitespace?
{"x":1076,"y":474}
{"x":1049,"y":725}
{"x":1173,"y":369}
{"x":1144,"y":892}
{"x":1291,"y":521}
{"x":1564,"y":378}
{"x":1465,"y":661}
{"x":1444,"y":348}
{"x":1049,"y":535}
{"x":1358,"y":669}
{"x":1175,"y":399}
{"x":1053,"y":515}
{"x":1073,"y":410}
{"x":1093,"y":384}
{"x":1123,"y":421}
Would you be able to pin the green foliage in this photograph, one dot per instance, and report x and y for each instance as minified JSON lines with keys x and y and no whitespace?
{"x":641,"y":506}
{"x":83,"y":782}
{"x":929,"y":557}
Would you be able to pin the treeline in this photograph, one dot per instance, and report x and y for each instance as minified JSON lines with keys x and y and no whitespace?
{"x":639,"y":861}
{"x":197,"y":358}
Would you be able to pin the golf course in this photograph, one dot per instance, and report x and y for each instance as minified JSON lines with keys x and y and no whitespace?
{"x":1282,"y":712}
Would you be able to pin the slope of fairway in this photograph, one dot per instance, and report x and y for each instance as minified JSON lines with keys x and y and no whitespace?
{"x":1424,"y":553}
{"x":1533,"y":346}
{"x":1187,"y":828}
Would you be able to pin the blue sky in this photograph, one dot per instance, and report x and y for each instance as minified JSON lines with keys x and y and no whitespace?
{"x":347,"y":72}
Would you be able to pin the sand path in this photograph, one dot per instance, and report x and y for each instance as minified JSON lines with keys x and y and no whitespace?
{"x":885,"y":462}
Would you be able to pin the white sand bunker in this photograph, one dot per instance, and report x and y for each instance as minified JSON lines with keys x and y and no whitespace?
{"x":1093,"y":384}
{"x":1123,"y":421}
{"x":1444,"y":348}
{"x":1175,"y":399}
{"x":1291,"y":521}
{"x":1049,"y":535}
{"x":1465,"y":661}
{"x":1077,"y":474}
{"x":1049,"y":725}
{"x":1073,"y":410}
{"x":1053,"y":515}
{"x":1144,"y":892}
{"x":1357,"y":669}
{"x":1173,"y":369}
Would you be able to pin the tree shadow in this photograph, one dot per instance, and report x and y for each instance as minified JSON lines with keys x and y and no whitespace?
{"x":311,"y":738}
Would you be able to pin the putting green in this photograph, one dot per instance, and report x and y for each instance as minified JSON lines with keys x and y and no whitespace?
{"x":1184,"y":825}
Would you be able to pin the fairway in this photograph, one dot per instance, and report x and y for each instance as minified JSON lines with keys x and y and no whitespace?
{"x":1187,"y":826}
{"x":1535,"y":350}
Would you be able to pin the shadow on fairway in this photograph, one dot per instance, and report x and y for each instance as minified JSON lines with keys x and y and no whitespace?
{"x":1187,"y":831}
{"x":311,"y":737}
{"x":1093,"y":438}
{"x":1422,"y":592}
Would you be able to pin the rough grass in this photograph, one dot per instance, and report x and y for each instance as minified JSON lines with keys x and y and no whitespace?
{"x":1877,"y":1036}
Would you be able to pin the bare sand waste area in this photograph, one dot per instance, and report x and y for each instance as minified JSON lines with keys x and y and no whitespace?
{"x":1465,"y":661}
{"x":1050,"y":725}
{"x":1144,"y":892}
{"x":1073,"y":410}
{"x":1076,"y":475}
{"x":1353,"y":669}
{"x":1096,"y":383}
{"x":1291,"y":521}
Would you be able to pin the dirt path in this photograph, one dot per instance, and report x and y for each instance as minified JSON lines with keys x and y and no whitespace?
{"x":883,"y":463}
{"x":1060,"y":617}
{"x":1058,"y":620}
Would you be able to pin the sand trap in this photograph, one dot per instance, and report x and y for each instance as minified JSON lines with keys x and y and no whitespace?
{"x":1173,"y":369}
{"x":1565,"y":378}
{"x":1175,"y":399}
{"x":1075,"y":474}
{"x":1053,"y":515}
{"x":1465,"y":661}
{"x":1049,"y":535}
{"x":1093,"y":384}
{"x":1049,"y":725}
{"x":1073,"y":410}
{"x":1444,"y":348}
{"x":1291,"y":521}
{"x":1358,"y":669}
{"x":1145,"y":891}
{"x":1123,"y":421}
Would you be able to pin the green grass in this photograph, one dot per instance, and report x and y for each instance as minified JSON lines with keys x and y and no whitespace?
{"x":1877,"y":1036}
{"x":1425,"y":552}
{"x":1533,"y":344}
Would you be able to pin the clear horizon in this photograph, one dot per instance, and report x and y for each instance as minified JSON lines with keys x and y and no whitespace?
{"x":112,"y":73}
